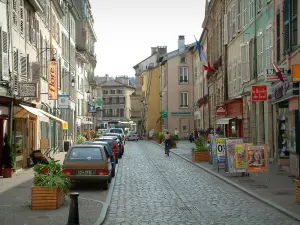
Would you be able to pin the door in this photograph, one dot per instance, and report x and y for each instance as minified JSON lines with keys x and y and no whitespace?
{"x":1,"y":144}
{"x":32,"y":135}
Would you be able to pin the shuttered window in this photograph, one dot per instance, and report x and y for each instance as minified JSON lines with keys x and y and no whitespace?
{"x":245,"y":12}
{"x":294,"y":24}
{"x":260,"y":52}
{"x":239,"y":17}
{"x":4,"y":67}
{"x":244,"y":62}
{"x":269,"y":47}
{"x":23,"y":67}
{"x":21,"y":17}
{"x":286,"y":26}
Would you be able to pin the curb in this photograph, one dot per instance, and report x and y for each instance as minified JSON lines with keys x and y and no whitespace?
{"x":106,"y":205}
{"x":270,"y":203}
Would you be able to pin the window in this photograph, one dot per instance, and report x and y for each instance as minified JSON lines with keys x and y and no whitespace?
{"x":260,"y":60}
{"x":245,"y":12}
{"x":244,"y":63}
{"x":229,"y":81}
{"x":234,"y":78}
{"x":259,"y":5}
{"x":278,"y":56}
{"x":183,"y":76}
{"x":239,"y":79}
{"x":122,"y":100}
{"x":269,"y":46}
{"x":229,"y":23}
{"x":233,"y":16}
{"x":4,"y":66}
{"x":114,"y":100}
{"x":294,"y":25}
{"x":14,"y":12}
{"x":239,"y":17}
{"x":120,"y":92}
{"x":122,"y":113}
{"x":251,"y":9}
{"x":183,"y":59}
{"x":105,"y":92}
{"x":112,"y":92}
{"x":184,"y":99}
{"x":72,"y":28}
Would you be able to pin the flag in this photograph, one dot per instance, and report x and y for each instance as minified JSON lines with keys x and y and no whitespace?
{"x":278,"y":73}
{"x":202,"y":57}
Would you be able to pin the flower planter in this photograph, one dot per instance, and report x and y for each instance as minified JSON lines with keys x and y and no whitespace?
{"x":200,"y":156}
{"x":297,"y":182}
{"x":7,"y":172}
{"x":46,"y":198}
{"x":174,"y":145}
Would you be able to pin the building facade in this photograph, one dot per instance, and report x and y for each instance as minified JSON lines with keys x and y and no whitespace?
{"x":177,"y":89}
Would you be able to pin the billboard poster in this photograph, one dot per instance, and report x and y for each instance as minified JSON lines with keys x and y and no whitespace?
{"x":256,"y":158}
{"x":220,"y":146}
{"x":213,"y":148}
{"x":230,"y":150}
{"x":240,"y":156}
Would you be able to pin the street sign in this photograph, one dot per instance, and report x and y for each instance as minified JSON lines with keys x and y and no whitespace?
{"x":91,"y":108}
{"x":99,"y":102}
{"x":259,"y":93}
{"x":164,"y":114}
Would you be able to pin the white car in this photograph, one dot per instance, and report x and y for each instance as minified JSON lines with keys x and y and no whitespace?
{"x":132,"y":136}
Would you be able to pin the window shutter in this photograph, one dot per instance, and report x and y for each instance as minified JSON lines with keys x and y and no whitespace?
{"x":278,"y":34}
{"x":229,"y":81}
{"x":225,"y":30}
{"x":286,"y":25}
{"x":4,"y":67}
{"x":239,"y":17}
{"x":229,"y":25}
{"x":21,"y":17}
{"x":23,"y":67}
{"x":15,"y":13}
{"x":294,"y":25}
{"x":27,"y":25}
{"x":16,"y":70}
{"x":233,"y":15}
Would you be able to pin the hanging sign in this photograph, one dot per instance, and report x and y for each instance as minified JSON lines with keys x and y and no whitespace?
{"x":52,"y":80}
{"x":220,"y":110}
{"x":259,"y":93}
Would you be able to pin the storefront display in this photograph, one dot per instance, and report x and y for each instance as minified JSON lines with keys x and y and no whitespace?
{"x":235,"y":112}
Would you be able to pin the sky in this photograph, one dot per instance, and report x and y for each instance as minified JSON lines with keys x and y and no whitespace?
{"x":127,"y":29}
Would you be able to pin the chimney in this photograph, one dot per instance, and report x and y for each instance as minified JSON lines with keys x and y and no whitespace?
{"x":153,"y":50}
{"x":106,"y":76}
{"x":181,"y":44}
{"x":162,"y":50}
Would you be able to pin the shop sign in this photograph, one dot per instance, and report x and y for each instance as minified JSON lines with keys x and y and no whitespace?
{"x":181,"y":113}
{"x":63,"y":102}
{"x":28,"y":90}
{"x":220,"y":110}
{"x":52,"y":81}
{"x":259,"y":93}
{"x":271,"y":73}
{"x":91,"y":108}
{"x":296,"y":73}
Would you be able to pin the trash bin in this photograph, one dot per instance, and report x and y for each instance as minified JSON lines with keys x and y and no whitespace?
{"x":66,"y":145}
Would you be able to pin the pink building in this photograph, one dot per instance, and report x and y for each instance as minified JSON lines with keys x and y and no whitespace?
{"x":177,"y":88}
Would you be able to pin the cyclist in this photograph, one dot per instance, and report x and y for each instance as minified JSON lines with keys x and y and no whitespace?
{"x":167,"y":141}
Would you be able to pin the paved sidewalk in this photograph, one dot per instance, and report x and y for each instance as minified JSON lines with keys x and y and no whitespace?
{"x":275,"y":186}
{"x":15,"y":201}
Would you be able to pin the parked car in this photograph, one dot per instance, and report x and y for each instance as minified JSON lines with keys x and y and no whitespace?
{"x":88,"y":163}
{"x":107,"y":149}
{"x":120,"y":144}
{"x":119,"y":138}
{"x":118,"y":131}
{"x":113,"y":142}
{"x":132,"y":136}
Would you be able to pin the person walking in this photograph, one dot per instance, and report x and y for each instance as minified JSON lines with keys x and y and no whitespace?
{"x":167,"y":141}
{"x":176,"y":133}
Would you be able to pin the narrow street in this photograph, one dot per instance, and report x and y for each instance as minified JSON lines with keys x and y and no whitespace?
{"x":152,"y":188}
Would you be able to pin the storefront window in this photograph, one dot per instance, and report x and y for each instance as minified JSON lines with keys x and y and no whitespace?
{"x":291,"y":132}
{"x":233,"y":128}
{"x":19,"y":137}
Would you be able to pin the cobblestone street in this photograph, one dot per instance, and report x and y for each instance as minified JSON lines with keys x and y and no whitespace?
{"x":152,"y":188}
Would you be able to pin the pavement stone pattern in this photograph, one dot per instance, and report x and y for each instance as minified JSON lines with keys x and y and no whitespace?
{"x":152,"y":188}
{"x":274,"y":185}
{"x":15,"y":202}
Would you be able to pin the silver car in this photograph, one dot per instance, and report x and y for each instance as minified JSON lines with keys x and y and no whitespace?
{"x":132,"y":136}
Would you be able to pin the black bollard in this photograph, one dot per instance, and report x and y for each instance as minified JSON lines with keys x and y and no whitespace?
{"x":74,"y":212}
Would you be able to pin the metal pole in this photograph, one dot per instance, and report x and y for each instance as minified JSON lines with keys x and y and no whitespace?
{"x":73,"y":212}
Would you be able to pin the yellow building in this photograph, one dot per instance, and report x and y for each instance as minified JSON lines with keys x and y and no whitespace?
{"x":151,"y":98}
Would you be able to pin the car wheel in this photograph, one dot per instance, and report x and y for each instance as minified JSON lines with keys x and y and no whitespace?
{"x":105,"y":185}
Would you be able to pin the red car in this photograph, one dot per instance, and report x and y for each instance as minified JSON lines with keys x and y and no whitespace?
{"x":112,"y":143}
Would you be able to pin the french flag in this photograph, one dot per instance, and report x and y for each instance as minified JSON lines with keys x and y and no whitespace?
{"x":278,"y":73}
{"x":202,"y":57}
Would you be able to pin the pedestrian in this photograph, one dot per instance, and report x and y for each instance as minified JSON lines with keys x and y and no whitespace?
{"x":196,"y":134}
{"x":176,"y":133}
{"x":168,"y":141}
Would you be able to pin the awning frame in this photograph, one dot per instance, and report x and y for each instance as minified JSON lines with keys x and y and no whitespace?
{"x":63,"y":123}
{"x":35,"y":112}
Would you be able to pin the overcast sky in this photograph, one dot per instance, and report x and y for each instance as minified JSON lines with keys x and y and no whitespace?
{"x":126,"y":29}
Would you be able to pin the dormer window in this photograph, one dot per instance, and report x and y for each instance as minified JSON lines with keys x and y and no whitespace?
{"x":183,"y":59}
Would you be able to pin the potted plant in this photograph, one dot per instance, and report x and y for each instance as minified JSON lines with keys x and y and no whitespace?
{"x":80,"y":139}
{"x":174,"y":141}
{"x":160,"y":137}
{"x":50,"y":186}
{"x":201,"y":152}
{"x":8,"y":158}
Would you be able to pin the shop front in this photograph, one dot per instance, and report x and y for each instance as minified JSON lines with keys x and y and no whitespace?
{"x":286,"y":123}
{"x":5,"y":106}
{"x":234,"y":110}
{"x":25,"y":126}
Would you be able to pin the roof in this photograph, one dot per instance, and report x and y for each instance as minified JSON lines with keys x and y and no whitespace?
{"x":111,"y":83}
{"x":175,"y":53}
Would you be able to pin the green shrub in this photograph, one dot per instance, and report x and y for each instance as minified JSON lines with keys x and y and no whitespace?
{"x":160,"y":135}
{"x":8,"y":153}
{"x":200,"y":145}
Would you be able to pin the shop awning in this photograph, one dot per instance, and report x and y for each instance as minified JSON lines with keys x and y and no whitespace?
{"x":224,"y":120}
{"x":63,"y":123}
{"x":35,"y":112}
{"x":86,"y":122}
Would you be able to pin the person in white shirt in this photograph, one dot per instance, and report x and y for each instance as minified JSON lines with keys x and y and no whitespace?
{"x":176,"y":133}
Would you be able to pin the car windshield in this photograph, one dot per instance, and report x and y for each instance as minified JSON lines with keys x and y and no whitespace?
{"x":132,"y":133}
{"x":104,"y":143}
{"x":119,"y":131}
{"x":85,"y":154}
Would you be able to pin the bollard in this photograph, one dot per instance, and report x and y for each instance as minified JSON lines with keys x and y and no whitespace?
{"x":73,"y":213}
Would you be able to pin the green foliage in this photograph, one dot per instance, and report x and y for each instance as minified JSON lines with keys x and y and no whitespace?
{"x":200,"y":145}
{"x":80,"y":139}
{"x":8,"y":153}
{"x":51,"y":176}
{"x":174,"y":138}
{"x":160,"y":135}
